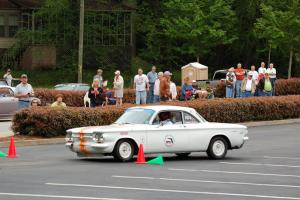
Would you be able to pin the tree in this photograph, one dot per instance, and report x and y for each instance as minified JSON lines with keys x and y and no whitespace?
{"x":280,"y":25}
{"x":198,"y":26}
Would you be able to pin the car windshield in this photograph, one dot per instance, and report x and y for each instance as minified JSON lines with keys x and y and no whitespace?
{"x":136,"y":116}
{"x":64,"y":87}
{"x":220,"y":75}
{"x":83,"y":88}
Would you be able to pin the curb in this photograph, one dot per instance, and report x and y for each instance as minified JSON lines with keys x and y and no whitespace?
{"x":22,"y":143}
{"x":271,"y":123}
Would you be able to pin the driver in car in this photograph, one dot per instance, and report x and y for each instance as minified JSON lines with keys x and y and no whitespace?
{"x":165,"y":118}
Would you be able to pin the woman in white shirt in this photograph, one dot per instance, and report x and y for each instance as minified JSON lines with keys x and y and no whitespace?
{"x":156,"y":91}
{"x":118,"y":88}
{"x":173,"y":91}
{"x":272,"y":73}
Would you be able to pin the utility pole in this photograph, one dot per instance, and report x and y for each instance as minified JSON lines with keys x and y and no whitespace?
{"x":80,"y":50}
{"x":269,"y":55}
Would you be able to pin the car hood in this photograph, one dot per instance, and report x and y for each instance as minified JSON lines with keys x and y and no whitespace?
{"x":108,"y":128}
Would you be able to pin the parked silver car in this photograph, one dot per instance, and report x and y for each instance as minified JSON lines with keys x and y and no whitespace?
{"x":8,"y":103}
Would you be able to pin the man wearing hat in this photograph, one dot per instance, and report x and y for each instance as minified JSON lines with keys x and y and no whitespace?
{"x":152,"y":76}
{"x":141,"y":85}
{"x":248,"y":86}
{"x":24,"y":92}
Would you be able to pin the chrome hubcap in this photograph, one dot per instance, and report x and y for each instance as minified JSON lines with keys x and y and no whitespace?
{"x":218,"y":148}
{"x":125,"y":150}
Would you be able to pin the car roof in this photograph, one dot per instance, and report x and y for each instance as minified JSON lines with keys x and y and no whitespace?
{"x":164,"y":107}
{"x":64,"y":84}
{"x":6,"y":86}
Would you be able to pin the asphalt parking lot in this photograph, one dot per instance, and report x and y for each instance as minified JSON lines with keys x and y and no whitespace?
{"x":267,"y":167}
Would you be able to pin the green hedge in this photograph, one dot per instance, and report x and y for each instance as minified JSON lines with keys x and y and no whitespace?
{"x":49,"y":122}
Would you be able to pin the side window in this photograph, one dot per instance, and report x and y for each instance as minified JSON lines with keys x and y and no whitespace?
{"x":176,"y":117}
{"x":189,"y":119}
{"x":173,"y":116}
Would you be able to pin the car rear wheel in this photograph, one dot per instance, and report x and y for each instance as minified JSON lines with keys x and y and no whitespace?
{"x":124,"y":151}
{"x":217,"y":148}
{"x":182,"y":155}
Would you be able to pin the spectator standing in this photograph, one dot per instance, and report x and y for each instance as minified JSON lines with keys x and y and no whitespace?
{"x":118,"y":88}
{"x":99,"y":77}
{"x":248,"y":86}
{"x":240,"y":75}
{"x":164,"y":86}
{"x":262,"y":69}
{"x":254,"y":74}
{"x":96,"y":94}
{"x":156,"y":91}
{"x":152,"y":76}
{"x":186,"y":89}
{"x":272,"y":73}
{"x":141,"y":85}
{"x":173,"y":91}
{"x":265,"y":86}
{"x":59,"y":102}
{"x":24,"y":92}
{"x":8,"y":77}
{"x":230,"y":83}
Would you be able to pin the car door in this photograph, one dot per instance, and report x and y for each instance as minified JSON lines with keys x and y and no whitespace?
{"x":167,"y":138}
{"x":198,"y":135}
{"x":8,"y":103}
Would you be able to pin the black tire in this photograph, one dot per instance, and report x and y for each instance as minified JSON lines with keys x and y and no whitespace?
{"x":123,"y":156}
{"x":182,"y":155}
{"x":217,"y":148}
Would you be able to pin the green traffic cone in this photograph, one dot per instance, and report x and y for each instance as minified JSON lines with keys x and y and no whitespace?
{"x":156,"y":161}
{"x":2,"y":154}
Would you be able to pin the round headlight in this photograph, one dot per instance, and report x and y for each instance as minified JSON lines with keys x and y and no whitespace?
{"x":69,"y":137}
{"x":98,"y":137}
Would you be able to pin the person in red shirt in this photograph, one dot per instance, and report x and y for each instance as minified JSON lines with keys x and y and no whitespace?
{"x":240,"y":75}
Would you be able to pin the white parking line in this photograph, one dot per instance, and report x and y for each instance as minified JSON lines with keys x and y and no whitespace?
{"x":175,"y":191}
{"x":207,"y":181}
{"x":55,"y":196}
{"x":260,"y":164}
{"x":231,"y":172}
{"x":288,"y":158}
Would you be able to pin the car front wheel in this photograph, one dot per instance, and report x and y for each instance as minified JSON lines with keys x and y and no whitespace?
{"x":124,"y":151}
{"x":217,"y":148}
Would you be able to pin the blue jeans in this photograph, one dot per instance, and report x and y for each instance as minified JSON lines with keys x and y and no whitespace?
{"x":246,"y":94}
{"x":150,"y":94}
{"x":273,"y":85}
{"x":23,"y":104}
{"x":238,"y":85}
{"x":229,"y":92}
{"x":140,"y":97}
{"x":268,"y":94}
{"x":260,"y":93}
{"x":156,"y":99}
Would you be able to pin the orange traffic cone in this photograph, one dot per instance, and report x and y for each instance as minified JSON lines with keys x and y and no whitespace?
{"x":12,"y":148}
{"x":141,"y":156}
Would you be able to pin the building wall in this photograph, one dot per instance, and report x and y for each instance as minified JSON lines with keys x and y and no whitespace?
{"x":9,"y":24}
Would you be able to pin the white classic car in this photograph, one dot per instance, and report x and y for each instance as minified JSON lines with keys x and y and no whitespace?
{"x":161,"y":129}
